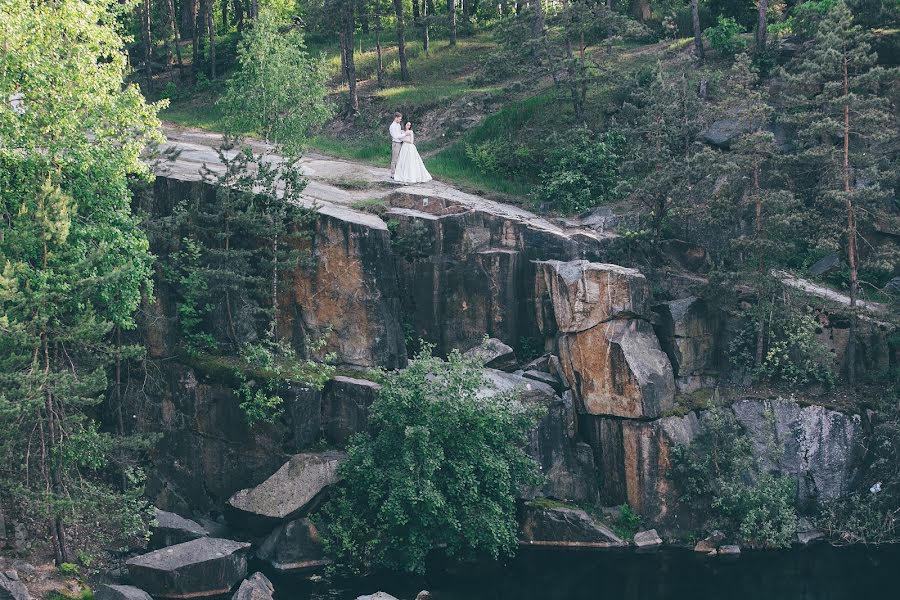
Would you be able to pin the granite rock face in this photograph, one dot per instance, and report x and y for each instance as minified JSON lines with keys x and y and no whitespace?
{"x":292,"y":547}
{"x":494,"y":354}
{"x":822,"y":448}
{"x":199,"y":568}
{"x":255,"y":587}
{"x":120,"y":592}
{"x":293,"y":490}
{"x":11,"y":588}
{"x":618,"y":369}
{"x":688,"y":333}
{"x":563,"y":526}
{"x":345,"y":408}
{"x":172,"y":529}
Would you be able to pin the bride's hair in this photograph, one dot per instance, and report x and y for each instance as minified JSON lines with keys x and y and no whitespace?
{"x":408,"y":125}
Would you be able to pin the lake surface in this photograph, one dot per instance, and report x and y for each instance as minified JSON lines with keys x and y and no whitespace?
{"x":817,"y":573}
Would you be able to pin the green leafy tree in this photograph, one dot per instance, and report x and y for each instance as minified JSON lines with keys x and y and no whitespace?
{"x":74,"y":265}
{"x":279,"y":91}
{"x":442,"y":464}
{"x":837,"y":99}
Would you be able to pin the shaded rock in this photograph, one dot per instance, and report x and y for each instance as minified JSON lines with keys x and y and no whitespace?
{"x":686,"y":255}
{"x":294,"y":489}
{"x":645,"y":539}
{"x":618,"y":368}
{"x":202,"y":567}
{"x":710,"y":543}
{"x":688,"y":332}
{"x":255,"y":587}
{"x":25,"y":570}
{"x":304,"y":404}
{"x":11,"y":588}
{"x":821,"y":447}
{"x":346,"y":407}
{"x":543,"y":377}
{"x":729,"y":550}
{"x":892,"y":287}
{"x":542,"y":525}
{"x":172,"y":529}
{"x":293,"y":546}
{"x":494,"y":354}
{"x":541,"y":363}
{"x":584,"y":294}
{"x":377,"y":596}
{"x":120,"y":592}
{"x":804,"y":538}
{"x":827,"y":263}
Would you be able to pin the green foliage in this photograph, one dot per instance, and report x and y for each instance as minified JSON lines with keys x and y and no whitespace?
{"x":279,"y":91}
{"x":863,"y":517}
{"x":718,"y":470}
{"x":410,"y":238}
{"x":725,"y":37}
{"x":627,"y":523}
{"x":442,"y":464}
{"x":581,"y":171}
{"x":68,"y":569}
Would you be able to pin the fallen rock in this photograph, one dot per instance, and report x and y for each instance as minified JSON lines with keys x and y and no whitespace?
{"x":293,"y":546}
{"x":618,"y":369}
{"x":552,"y":525}
{"x":493,"y":354}
{"x":255,"y":587}
{"x":646,"y":539}
{"x":345,"y":408}
{"x":120,"y":592}
{"x":729,"y":550}
{"x":710,"y":543}
{"x":583,"y":294}
{"x":202,"y":567}
{"x":11,"y":588}
{"x":172,"y":529}
{"x":296,"y":488}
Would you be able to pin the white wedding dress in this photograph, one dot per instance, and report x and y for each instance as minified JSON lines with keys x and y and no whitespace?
{"x":410,"y":168}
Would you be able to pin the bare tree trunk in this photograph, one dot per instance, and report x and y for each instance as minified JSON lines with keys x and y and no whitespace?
{"x":148,"y":50}
{"x":761,"y":26}
{"x":239,"y":15}
{"x":225,"y":15}
{"x":199,"y":27}
{"x":416,"y":14}
{"x":380,"y":66}
{"x":451,"y":15}
{"x":426,"y":36}
{"x":852,"y":255}
{"x":695,"y":21}
{"x":401,"y":40}
{"x":254,"y":9}
{"x":188,"y":17}
{"x":466,"y":12}
{"x":211,"y":28}
{"x":760,"y":265}
{"x":173,"y":23}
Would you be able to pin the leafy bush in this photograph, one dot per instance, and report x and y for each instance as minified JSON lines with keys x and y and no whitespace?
{"x":718,"y":470}
{"x":582,"y":171}
{"x":441,"y":465}
{"x":725,"y":37}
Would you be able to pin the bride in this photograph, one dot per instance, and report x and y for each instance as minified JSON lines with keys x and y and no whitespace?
{"x":410,"y":168}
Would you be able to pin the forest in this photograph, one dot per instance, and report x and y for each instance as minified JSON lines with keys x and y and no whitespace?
{"x":655,"y":281}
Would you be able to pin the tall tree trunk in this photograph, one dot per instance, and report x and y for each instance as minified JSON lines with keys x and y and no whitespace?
{"x":761,"y":26}
{"x":379,"y":68}
{"x":426,"y":34}
{"x":466,"y":12}
{"x":199,"y":28}
{"x":225,"y":15}
{"x":640,"y":9}
{"x":239,"y":15}
{"x":431,"y":9}
{"x":188,"y":17}
{"x":363,"y":11}
{"x":147,"y":42}
{"x":760,"y":265}
{"x":401,"y":41}
{"x":254,"y":9}
{"x":349,"y":25}
{"x":173,"y":24}
{"x":451,"y":16}
{"x":211,"y":30}
{"x":852,"y":255}
{"x":416,"y":13}
{"x":695,"y":22}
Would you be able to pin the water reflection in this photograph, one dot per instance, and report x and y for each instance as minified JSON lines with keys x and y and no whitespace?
{"x":819,"y":573}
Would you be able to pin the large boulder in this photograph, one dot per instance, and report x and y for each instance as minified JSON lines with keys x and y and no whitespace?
{"x":494,"y":354}
{"x":11,"y":588}
{"x":255,"y":587}
{"x":584,"y":294}
{"x":293,"y":546}
{"x":546,"y":524}
{"x":120,"y":592}
{"x":171,"y":529}
{"x":617,"y":368}
{"x":566,"y":463}
{"x":345,"y":407}
{"x":304,"y":405}
{"x":688,"y":332}
{"x":822,"y":448}
{"x":199,"y":568}
{"x":294,"y":489}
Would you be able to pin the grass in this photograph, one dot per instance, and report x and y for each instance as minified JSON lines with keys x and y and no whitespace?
{"x":368,"y":149}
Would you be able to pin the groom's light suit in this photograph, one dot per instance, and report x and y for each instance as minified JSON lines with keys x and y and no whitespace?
{"x":396,"y":143}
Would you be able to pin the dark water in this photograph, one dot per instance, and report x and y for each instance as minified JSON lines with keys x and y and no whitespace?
{"x":817,"y":573}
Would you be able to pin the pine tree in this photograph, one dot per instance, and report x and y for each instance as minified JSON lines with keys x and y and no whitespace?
{"x":836,"y":100}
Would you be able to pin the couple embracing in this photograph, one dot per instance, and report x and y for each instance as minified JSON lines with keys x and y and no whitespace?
{"x":406,"y":164}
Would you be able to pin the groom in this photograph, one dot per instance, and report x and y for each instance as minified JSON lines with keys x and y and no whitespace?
{"x":396,"y":132}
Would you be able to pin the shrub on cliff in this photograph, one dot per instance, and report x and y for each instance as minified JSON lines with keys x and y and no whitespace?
{"x":441,"y":465}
